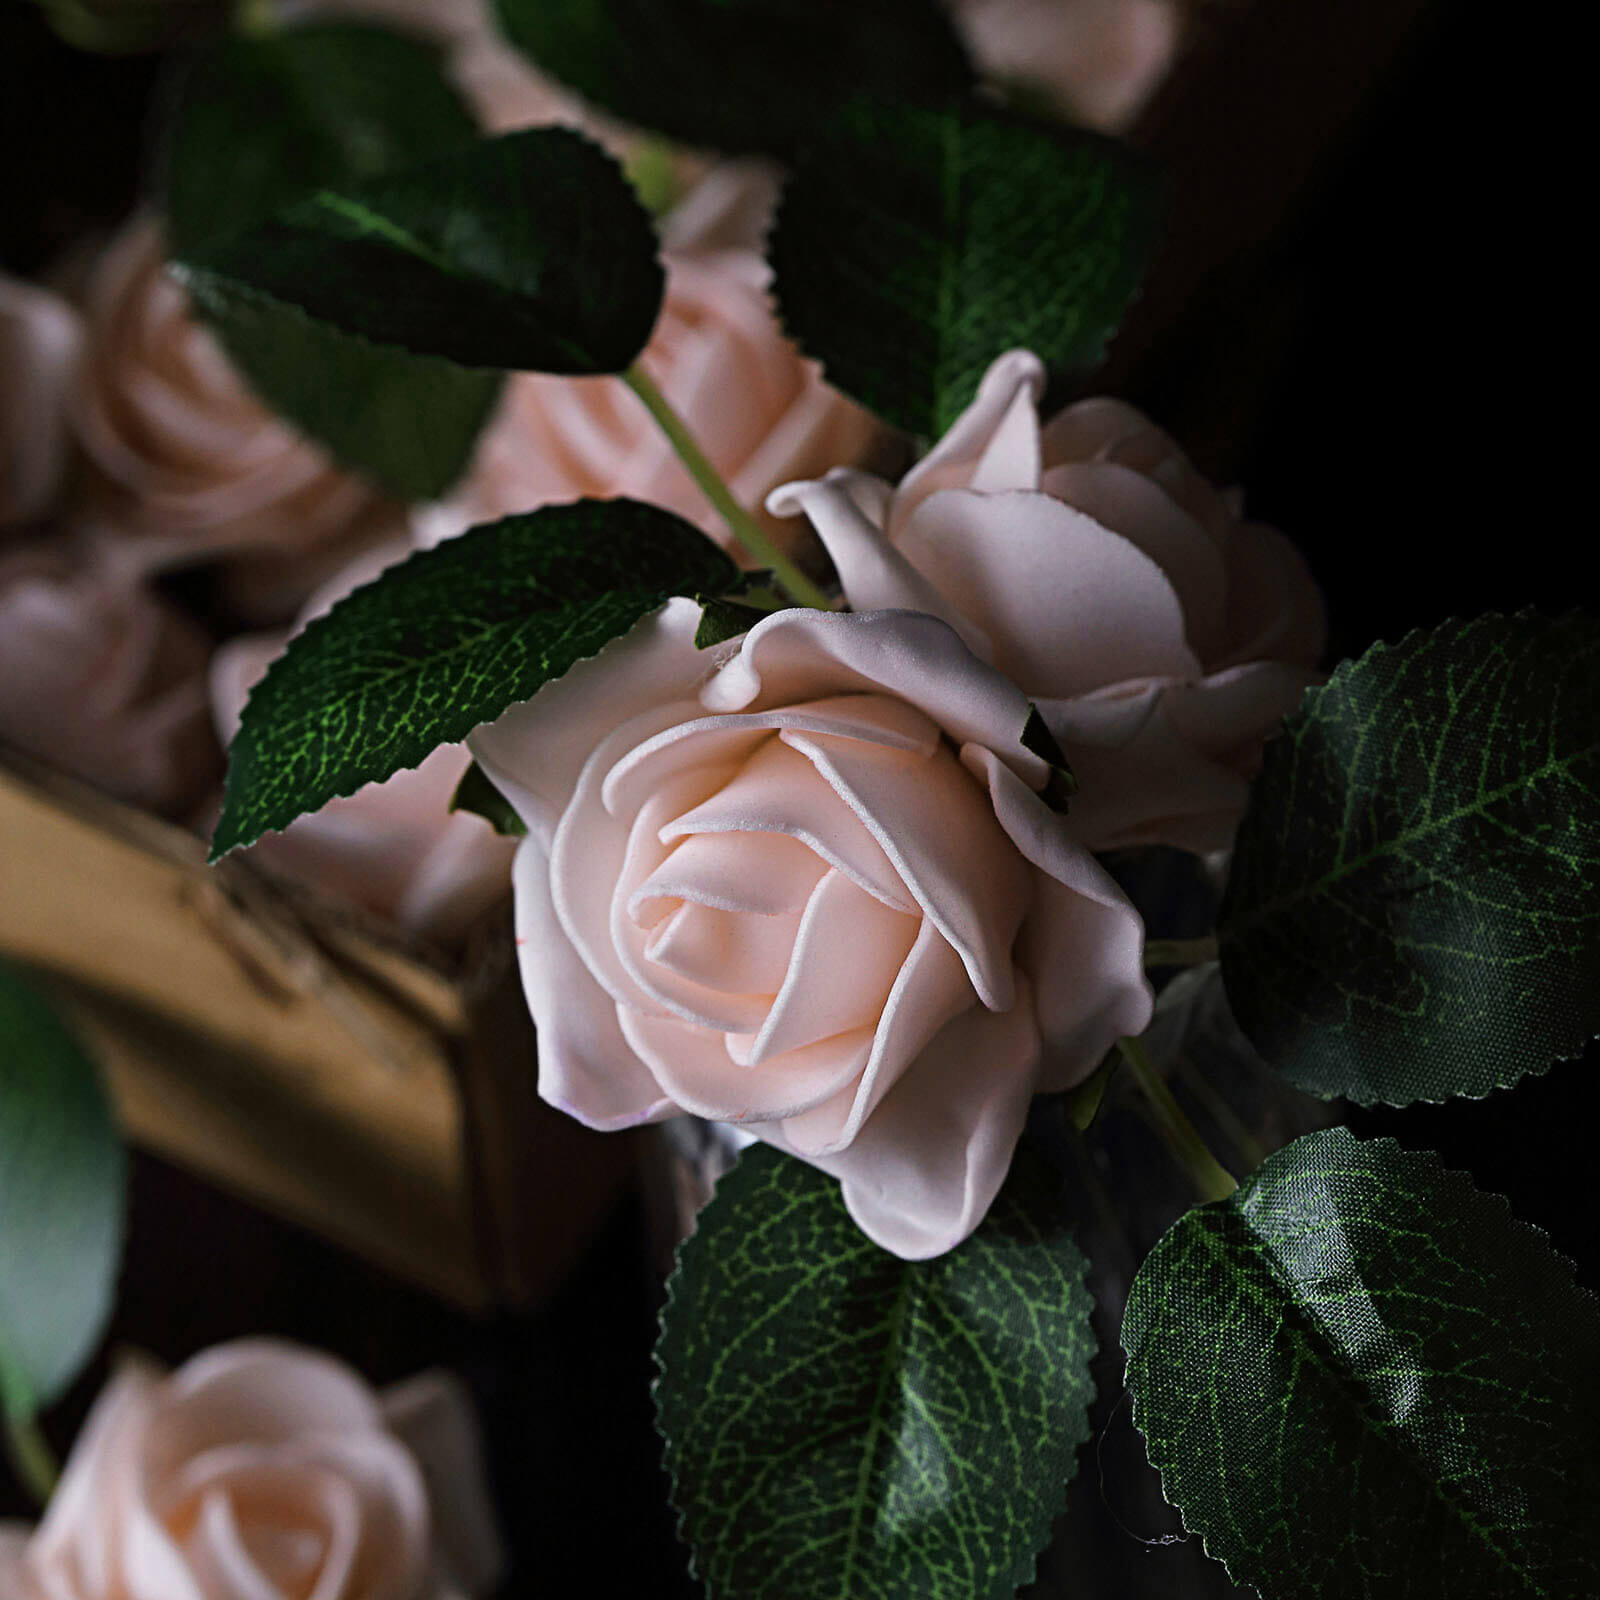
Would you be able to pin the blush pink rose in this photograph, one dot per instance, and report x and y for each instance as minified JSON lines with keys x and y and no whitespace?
{"x":1100,"y":61}
{"x":394,"y":847}
{"x":264,"y":1470}
{"x":1162,"y":636}
{"x":759,"y":410}
{"x":803,"y":883}
{"x":40,"y":337}
{"x":186,"y":463}
{"x":102,"y":679}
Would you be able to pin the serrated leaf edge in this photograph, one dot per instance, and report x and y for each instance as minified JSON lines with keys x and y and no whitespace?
{"x":1492,"y":1195}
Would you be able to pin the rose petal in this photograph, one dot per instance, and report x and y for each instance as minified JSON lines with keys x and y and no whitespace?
{"x":798,"y":655}
{"x":695,"y":1066}
{"x":873,"y":573}
{"x":1080,"y":923}
{"x":763,"y":874}
{"x":927,"y":1164}
{"x":1133,"y":505}
{"x":1067,"y":604}
{"x":535,"y":751}
{"x":914,"y":808}
{"x":723,"y":950}
{"x":433,"y":1415}
{"x":1275,"y":610}
{"x":777,"y":791}
{"x":992,"y":446}
{"x":931,"y":987}
{"x":585,"y":1065}
{"x":846,"y":955}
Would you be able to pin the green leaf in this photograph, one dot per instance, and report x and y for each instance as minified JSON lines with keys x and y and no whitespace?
{"x":740,"y":75}
{"x":530,"y":251}
{"x":62,"y":1179}
{"x":447,"y":640}
{"x":476,"y":793}
{"x":842,"y":1422}
{"x":1414,"y":908}
{"x":262,"y":123}
{"x":913,"y":246}
{"x":722,"y":620}
{"x":1361,"y":1376}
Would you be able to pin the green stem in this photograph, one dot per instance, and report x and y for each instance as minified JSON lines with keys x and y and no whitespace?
{"x":31,"y":1458}
{"x":1180,"y":952}
{"x":740,"y":523}
{"x":1212,"y":1181}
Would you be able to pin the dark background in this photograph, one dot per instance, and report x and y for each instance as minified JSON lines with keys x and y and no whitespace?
{"x":1417,"y":440}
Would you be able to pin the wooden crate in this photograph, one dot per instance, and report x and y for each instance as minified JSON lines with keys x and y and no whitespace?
{"x":279,"y":1047}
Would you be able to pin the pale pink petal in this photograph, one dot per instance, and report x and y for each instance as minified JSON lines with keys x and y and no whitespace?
{"x":585,"y":1065}
{"x":719,"y":739}
{"x":1083,"y":941}
{"x":764,"y":874}
{"x":798,"y":655}
{"x":730,"y":208}
{"x":846,"y":955}
{"x":535,"y":751}
{"x":1067,"y":604}
{"x":1129,"y":503}
{"x":993,"y":445}
{"x":926,"y":1166}
{"x":433,"y":1416}
{"x":1275,"y":610}
{"x":724,"y":950}
{"x":17,"y":1578}
{"x":931,"y":987}
{"x":696,"y":1066}
{"x":777,"y":791}
{"x":936,"y":827}
{"x":873,"y":573}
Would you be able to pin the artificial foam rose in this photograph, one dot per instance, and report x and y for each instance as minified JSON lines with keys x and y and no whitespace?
{"x":804,"y":884}
{"x":264,"y":1471}
{"x":101,"y":678}
{"x":757,"y":407}
{"x":40,"y":338}
{"x":186,"y":463}
{"x":1100,"y":61}
{"x":393,"y":847}
{"x":1162,"y":636}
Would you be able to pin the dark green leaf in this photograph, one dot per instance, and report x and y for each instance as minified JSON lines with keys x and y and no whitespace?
{"x":1361,"y":1376}
{"x":263,"y":123}
{"x":445,"y":641}
{"x":842,"y":1422}
{"x":61,"y":1202}
{"x":530,"y":251}
{"x":740,"y":74}
{"x":476,"y":793}
{"x":721,"y":620}
{"x":914,"y":246}
{"x":1414,"y":909}
{"x":1062,"y":782}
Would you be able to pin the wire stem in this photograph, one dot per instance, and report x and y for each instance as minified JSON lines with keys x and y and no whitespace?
{"x":740,"y":523}
{"x":31,"y":1458}
{"x":1212,"y":1181}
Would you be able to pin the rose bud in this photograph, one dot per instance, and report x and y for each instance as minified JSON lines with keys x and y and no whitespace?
{"x":39,"y":342}
{"x":102,"y":679}
{"x":804,"y":883}
{"x":186,"y":464}
{"x":1162,"y":636}
{"x":260,"y":1468}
